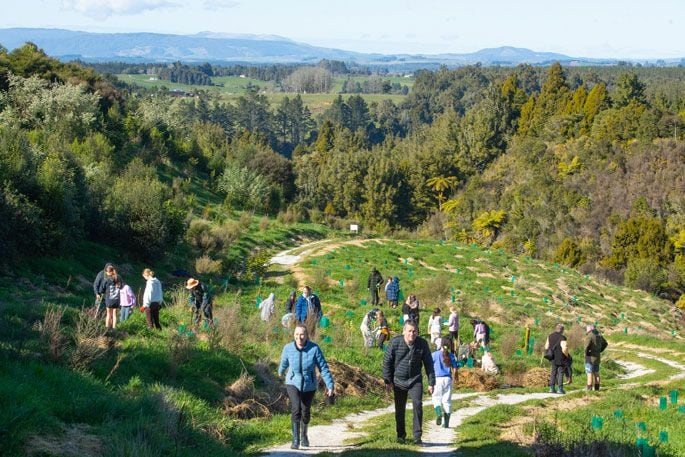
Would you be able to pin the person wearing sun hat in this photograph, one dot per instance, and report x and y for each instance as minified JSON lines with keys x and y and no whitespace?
{"x":200,"y":301}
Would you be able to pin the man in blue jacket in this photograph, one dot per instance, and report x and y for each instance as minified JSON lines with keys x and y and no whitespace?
{"x":300,"y":358}
{"x":402,"y":373}
{"x":308,"y":309}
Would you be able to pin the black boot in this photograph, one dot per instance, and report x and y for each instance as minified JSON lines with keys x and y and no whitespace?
{"x":296,"y":435}
{"x":597,"y":386}
{"x":446,"y":420}
{"x":304,"y":439}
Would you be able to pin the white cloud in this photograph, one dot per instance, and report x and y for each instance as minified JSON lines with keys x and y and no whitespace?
{"x":101,"y":9}
{"x":214,"y":5}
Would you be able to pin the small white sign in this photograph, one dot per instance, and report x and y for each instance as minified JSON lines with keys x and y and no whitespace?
{"x":354,"y":228}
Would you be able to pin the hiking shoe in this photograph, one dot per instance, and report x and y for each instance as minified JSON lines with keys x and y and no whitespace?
{"x":562,"y":392}
{"x":418,"y":441}
{"x":552,"y":390}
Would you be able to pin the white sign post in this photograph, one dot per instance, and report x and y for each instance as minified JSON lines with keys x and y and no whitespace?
{"x":354,"y":228}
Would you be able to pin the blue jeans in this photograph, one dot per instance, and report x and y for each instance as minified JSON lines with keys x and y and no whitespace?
{"x":124,"y":313}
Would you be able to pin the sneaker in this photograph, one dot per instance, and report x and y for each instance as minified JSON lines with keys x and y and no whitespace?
{"x":418,"y":441}
{"x":552,"y":390}
{"x":562,"y":391}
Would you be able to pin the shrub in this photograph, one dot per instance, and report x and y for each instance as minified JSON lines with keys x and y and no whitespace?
{"x":508,"y":345}
{"x":434,"y":291}
{"x":205,"y":265}
{"x":256,"y":265}
{"x":264,"y":223}
{"x":645,"y":274}
{"x":569,"y":253}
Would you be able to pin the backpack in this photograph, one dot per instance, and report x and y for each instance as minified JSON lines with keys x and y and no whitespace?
{"x":602,"y":342}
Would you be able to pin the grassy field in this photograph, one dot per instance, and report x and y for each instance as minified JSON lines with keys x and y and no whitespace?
{"x":232,"y":87}
{"x":168,"y":393}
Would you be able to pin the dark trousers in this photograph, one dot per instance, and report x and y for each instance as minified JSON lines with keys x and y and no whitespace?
{"x":455,"y":337}
{"x":374,"y":297}
{"x":204,"y":311}
{"x":300,"y":404}
{"x":415,"y":392}
{"x":152,"y":315}
{"x":556,"y":375}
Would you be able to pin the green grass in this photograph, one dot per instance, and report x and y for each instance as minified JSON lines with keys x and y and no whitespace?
{"x":230,"y":88}
{"x":144,"y":381}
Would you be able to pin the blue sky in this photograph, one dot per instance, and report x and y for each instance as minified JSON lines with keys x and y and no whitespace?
{"x":581,"y":28}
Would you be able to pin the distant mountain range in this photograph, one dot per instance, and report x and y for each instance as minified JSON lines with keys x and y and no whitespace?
{"x":230,"y":48}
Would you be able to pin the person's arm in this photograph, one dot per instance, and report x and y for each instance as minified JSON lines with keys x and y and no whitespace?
{"x":547,"y":343}
{"x":323,"y":369}
{"x":428,"y":366}
{"x":564,"y":347}
{"x":284,"y":361}
{"x":389,"y":365}
{"x":147,"y":295}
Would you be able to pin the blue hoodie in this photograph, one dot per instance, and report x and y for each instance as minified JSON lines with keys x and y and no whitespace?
{"x":301,"y":364}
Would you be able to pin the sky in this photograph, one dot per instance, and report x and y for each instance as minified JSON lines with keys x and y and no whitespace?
{"x":626,"y":29}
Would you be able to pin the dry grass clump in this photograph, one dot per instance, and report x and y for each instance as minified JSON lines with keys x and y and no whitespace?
{"x":508,"y":344}
{"x":477,"y":380}
{"x":352,"y":381}
{"x":206,"y":265}
{"x":51,"y":332}
{"x":77,"y":441}
{"x":90,"y":342}
{"x":536,"y":377}
{"x":245,"y":402}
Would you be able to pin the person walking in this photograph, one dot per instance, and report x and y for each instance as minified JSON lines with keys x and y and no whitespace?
{"x":201,"y":302}
{"x":444,"y":362}
{"x":152,"y":299}
{"x":453,"y":324}
{"x":404,"y":357}
{"x":127,"y":300}
{"x":435,"y":325}
{"x":392,"y":291}
{"x":556,"y":341}
{"x":308,"y":310}
{"x":373,"y":285}
{"x":594,"y":344}
{"x":300,"y":357}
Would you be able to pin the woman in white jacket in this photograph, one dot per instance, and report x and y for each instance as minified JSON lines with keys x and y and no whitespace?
{"x":435,"y":325}
{"x":152,"y":299}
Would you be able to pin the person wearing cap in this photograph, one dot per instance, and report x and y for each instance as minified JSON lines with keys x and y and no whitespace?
{"x":201,"y":301}
{"x":152,"y":299}
{"x":301,"y":357}
{"x":99,"y":283}
{"x":593,"y":352}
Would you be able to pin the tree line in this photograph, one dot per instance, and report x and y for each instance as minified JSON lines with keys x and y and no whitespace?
{"x":578,"y":165}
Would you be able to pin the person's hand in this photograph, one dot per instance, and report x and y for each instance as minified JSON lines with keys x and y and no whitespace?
{"x":430,"y":390}
{"x":388,"y":386}
{"x":329,"y":392}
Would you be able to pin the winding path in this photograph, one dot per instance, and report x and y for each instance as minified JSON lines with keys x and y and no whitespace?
{"x":437,"y":441}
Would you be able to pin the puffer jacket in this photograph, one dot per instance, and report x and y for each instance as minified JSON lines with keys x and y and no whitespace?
{"x":301,"y":365}
{"x":402,"y":364}
{"x":392,"y":292}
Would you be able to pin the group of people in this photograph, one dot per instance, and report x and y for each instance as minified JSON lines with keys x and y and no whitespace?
{"x":560,"y":358}
{"x":406,"y":357}
{"x":112,"y":293}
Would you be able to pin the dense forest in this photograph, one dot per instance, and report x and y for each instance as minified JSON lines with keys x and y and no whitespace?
{"x":580,"y":165}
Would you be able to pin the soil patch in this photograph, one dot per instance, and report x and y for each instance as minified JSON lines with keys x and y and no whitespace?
{"x":77,"y":441}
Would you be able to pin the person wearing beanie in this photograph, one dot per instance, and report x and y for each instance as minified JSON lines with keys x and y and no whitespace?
{"x":594,"y":344}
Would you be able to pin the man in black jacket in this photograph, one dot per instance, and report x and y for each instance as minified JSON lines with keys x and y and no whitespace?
{"x":373,"y":285}
{"x":557,"y":342}
{"x":402,"y":372}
